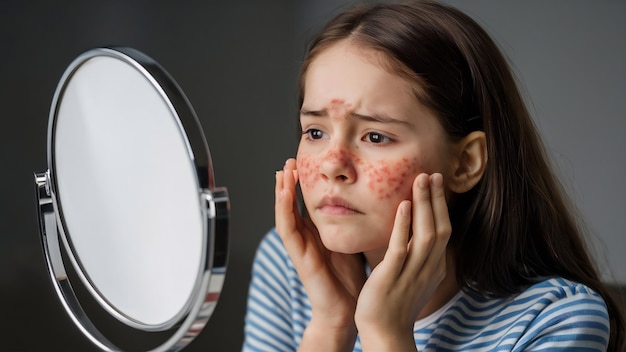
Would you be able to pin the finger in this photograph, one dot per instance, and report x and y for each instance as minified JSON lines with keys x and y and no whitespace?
{"x":285,"y":216}
{"x":396,"y":253}
{"x":290,"y":181}
{"x":423,"y":225}
{"x":290,"y":174}
{"x":291,"y":165}
{"x":281,"y":207}
{"x":441,"y":217}
{"x":443,"y":227}
{"x":278,"y":189}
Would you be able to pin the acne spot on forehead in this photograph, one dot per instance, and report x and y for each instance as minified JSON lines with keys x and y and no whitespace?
{"x":339,"y":108}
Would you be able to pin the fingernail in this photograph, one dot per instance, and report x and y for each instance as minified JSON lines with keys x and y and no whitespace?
{"x":405,"y":207}
{"x":422,"y":181}
{"x":437,"y":180}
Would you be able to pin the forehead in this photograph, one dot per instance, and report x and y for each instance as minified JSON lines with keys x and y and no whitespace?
{"x":346,"y":58}
{"x":348,"y":72}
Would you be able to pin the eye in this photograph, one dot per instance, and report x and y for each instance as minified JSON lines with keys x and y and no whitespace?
{"x":377,"y":138}
{"x":313,"y":133}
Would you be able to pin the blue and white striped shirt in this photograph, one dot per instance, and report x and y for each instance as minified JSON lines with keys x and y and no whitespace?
{"x":553,"y":314}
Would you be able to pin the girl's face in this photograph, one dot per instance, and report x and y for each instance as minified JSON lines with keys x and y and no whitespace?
{"x":365,"y":138}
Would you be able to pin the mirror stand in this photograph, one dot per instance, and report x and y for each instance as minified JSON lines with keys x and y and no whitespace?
{"x":217,"y":213}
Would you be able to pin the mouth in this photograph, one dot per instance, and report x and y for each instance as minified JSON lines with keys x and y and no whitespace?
{"x":336,"y":206}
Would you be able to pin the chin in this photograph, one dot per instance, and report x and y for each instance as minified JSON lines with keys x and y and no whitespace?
{"x":346,"y":241}
{"x":341,"y":248}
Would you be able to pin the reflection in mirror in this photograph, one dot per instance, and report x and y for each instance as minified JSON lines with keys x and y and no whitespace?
{"x":130,"y":189}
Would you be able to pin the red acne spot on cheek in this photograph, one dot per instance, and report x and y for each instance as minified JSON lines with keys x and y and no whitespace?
{"x":308,"y":173}
{"x":387,"y":178}
{"x":341,"y":156}
{"x":334,"y":155}
{"x":309,"y":166}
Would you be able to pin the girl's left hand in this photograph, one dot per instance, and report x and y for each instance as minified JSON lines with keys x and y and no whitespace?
{"x":403,"y":282}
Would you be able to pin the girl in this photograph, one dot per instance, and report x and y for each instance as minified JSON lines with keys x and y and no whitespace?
{"x":433,"y":220}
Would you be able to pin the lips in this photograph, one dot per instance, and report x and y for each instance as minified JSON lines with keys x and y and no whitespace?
{"x":332,"y":205}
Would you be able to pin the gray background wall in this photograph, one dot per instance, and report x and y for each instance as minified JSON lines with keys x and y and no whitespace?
{"x":238,"y":62}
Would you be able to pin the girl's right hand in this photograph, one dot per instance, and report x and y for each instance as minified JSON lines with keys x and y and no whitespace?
{"x":332,"y":280}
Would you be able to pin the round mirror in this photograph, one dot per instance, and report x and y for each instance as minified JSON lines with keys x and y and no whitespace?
{"x":130,"y":189}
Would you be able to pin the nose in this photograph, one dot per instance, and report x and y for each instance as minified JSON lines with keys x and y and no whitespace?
{"x":338,"y":165}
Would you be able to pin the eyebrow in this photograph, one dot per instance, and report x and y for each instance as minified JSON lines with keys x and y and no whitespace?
{"x":370,"y":118}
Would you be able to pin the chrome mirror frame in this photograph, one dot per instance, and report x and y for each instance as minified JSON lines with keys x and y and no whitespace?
{"x":215,"y":208}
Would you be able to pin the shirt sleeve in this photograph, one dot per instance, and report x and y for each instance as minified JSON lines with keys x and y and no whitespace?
{"x":576,"y":319}
{"x":268,"y":321}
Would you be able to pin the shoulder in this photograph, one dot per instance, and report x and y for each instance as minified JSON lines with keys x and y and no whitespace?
{"x":541,"y":297}
{"x":273,"y":311}
{"x":562,"y":314}
{"x":551,"y":314}
{"x":271,"y":251}
{"x":562,"y":295}
{"x":272,"y":264}
{"x":560,"y":287}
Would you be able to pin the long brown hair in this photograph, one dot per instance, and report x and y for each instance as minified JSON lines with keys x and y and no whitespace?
{"x":515,"y":225}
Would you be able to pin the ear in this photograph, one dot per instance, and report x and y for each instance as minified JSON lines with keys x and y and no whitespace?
{"x":468,"y":163}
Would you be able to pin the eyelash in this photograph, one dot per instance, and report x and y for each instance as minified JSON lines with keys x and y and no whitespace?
{"x":309,"y":132}
{"x":368,"y":137}
{"x":384,"y":139}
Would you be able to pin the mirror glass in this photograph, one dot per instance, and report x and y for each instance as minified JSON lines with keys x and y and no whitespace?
{"x":130,"y":184}
{"x":127,"y":191}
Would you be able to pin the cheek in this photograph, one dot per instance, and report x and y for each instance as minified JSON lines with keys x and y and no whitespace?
{"x":385,"y":179}
{"x":308,"y":170}
{"x":389,"y":178}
